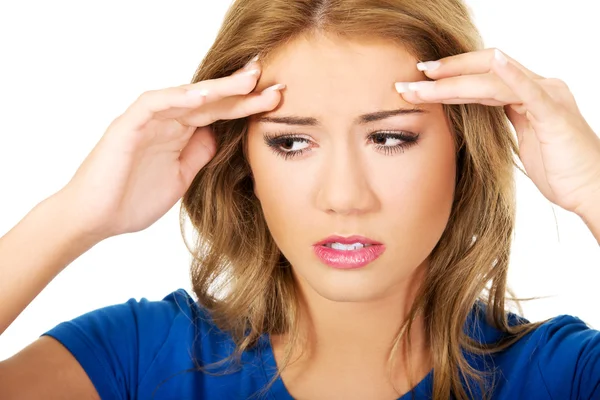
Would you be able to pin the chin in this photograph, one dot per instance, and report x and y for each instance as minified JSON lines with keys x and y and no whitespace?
{"x":351,"y":286}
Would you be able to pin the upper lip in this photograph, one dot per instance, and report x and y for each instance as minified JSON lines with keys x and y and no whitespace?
{"x":347,"y":240}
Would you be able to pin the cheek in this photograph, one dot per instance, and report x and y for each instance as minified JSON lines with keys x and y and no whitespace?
{"x":418,"y":203}
{"x":415,"y":202}
{"x":282,"y":189}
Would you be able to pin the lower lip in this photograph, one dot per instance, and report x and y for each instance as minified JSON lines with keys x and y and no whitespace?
{"x":348,"y":259}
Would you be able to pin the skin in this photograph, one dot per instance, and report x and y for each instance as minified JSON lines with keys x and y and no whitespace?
{"x":345,"y":185}
{"x":165,"y":135}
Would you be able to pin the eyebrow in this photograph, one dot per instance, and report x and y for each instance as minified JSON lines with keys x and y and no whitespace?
{"x":362,"y":119}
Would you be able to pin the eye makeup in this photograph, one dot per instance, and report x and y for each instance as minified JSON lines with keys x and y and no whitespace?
{"x":293,"y":145}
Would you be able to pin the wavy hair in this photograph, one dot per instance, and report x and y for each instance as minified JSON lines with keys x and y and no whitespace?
{"x":237,"y":271}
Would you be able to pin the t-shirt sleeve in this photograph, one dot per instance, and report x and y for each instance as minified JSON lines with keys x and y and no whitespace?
{"x":115,"y":345}
{"x":570,"y":360}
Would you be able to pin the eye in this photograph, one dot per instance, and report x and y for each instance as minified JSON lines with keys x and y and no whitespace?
{"x":293,"y":145}
{"x":288,"y":145}
{"x":390,"y":142}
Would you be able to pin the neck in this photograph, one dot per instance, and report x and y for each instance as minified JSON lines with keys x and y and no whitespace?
{"x":362,"y":334}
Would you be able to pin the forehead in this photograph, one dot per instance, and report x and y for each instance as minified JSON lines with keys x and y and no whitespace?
{"x":327,"y":51}
{"x":327,"y":75}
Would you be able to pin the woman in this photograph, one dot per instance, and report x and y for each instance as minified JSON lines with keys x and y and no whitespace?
{"x":354,"y":208}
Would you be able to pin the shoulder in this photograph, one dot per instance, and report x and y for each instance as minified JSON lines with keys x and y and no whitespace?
{"x":568,"y":358}
{"x":142,"y":324}
{"x":560,"y":359}
{"x":133,"y":348}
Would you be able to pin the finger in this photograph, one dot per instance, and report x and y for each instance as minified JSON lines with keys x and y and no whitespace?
{"x":177,"y":112}
{"x":459,"y":101}
{"x":197,"y":153}
{"x":519,"y":122}
{"x":239,"y":83}
{"x":251,"y":64}
{"x":536,"y":100}
{"x":181,"y":99}
{"x":234,"y":107}
{"x":486,"y":89}
{"x":474,"y":62}
{"x":518,"y":108}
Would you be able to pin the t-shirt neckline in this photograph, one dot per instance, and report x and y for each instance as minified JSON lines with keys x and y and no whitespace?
{"x":278,"y":391}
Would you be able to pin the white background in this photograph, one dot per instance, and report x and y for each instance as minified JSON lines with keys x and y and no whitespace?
{"x":68,"y":68}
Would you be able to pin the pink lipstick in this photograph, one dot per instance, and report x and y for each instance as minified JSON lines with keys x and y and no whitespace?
{"x":348,"y":252}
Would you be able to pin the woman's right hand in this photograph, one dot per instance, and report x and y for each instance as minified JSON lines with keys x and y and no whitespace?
{"x":149,"y":155}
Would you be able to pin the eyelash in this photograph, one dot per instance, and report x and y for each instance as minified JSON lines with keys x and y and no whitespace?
{"x":275,"y":141}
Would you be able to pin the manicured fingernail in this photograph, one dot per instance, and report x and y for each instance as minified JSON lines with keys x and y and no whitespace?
{"x":251,"y":72}
{"x":428,"y":65}
{"x":402,"y":87}
{"x":255,"y":59}
{"x":273,"y":88}
{"x":416,"y":86}
{"x":197,"y":93}
{"x":500,"y":57}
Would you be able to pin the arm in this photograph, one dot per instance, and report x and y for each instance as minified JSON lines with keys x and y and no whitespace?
{"x":31,"y":255}
{"x":131,"y":178}
{"x":45,"y":370}
{"x":34,"y":252}
{"x":140,"y":168}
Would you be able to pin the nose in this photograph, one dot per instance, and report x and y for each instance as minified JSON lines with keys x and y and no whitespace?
{"x":343,"y":184}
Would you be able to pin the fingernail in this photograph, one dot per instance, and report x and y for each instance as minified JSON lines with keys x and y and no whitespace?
{"x":428,"y":65}
{"x":424,"y":85}
{"x":196,"y":93}
{"x":500,"y":57}
{"x":255,"y":59}
{"x":251,"y":72}
{"x":273,"y":88}
{"x":402,"y":87}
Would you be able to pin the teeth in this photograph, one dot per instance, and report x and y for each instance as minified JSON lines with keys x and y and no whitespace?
{"x":345,"y":247}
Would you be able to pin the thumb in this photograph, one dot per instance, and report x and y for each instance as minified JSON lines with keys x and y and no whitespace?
{"x":200,"y":149}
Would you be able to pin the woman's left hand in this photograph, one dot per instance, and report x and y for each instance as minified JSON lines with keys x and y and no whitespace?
{"x":559,"y":150}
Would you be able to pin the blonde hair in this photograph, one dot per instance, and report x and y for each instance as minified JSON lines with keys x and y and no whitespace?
{"x":241,"y":276}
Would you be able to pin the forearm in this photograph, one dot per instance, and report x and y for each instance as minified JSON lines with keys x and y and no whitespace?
{"x":34,"y":252}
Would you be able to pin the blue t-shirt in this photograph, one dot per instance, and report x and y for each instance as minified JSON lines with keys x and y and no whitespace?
{"x":150,"y":349}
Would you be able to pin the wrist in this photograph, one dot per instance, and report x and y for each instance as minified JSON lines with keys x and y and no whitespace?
{"x":589,"y":212}
{"x":590,"y":208}
{"x":68,"y":217}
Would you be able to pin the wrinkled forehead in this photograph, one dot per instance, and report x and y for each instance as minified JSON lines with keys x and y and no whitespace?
{"x":330,"y":76}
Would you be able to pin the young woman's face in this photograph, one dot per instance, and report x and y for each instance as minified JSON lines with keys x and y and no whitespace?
{"x":328,"y":162}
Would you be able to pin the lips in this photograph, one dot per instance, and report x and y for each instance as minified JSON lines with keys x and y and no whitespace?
{"x":347,"y":240}
{"x":348,"y":258}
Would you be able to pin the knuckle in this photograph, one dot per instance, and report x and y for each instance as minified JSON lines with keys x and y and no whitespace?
{"x":155,"y":100}
{"x":145,"y":96}
{"x":558,"y":83}
{"x":144,"y":100}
